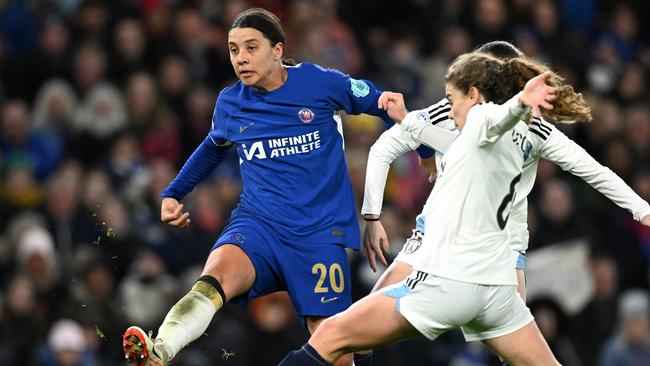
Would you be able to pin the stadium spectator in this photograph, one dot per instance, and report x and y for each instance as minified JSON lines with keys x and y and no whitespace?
{"x":630,"y":345}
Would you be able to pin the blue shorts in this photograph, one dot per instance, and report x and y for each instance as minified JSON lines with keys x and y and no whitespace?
{"x":316,"y":276}
{"x":521,"y":261}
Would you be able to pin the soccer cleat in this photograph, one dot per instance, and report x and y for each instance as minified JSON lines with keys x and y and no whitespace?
{"x":139,"y":348}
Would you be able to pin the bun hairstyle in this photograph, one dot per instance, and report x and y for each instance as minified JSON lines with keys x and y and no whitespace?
{"x":500,"y":80}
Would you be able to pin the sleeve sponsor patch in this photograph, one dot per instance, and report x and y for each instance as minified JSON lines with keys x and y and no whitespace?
{"x":422,"y":117}
{"x":359,"y":88}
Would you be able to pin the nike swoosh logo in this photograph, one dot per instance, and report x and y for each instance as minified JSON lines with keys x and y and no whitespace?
{"x":244,"y":128}
{"x":323,"y":300}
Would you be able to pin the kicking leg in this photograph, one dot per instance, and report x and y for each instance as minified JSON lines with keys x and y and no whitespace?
{"x":343,"y":333}
{"x":396,"y":272}
{"x":228,"y":272}
{"x":312,"y":324}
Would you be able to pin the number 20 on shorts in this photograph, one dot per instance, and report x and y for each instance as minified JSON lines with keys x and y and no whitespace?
{"x":335,"y":275}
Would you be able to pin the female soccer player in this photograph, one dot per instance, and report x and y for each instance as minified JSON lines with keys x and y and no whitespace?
{"x":546,"y":142}
{"x":463,"y":276}
{"x":296,"y":215}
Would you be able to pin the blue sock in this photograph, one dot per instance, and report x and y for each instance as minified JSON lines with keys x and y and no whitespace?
{"x":363,"y":359}
{"x":306,"y":356}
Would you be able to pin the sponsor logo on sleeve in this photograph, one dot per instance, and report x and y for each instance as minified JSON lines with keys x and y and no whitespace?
{"x":359,"y":88}
{"x":422,"y":117}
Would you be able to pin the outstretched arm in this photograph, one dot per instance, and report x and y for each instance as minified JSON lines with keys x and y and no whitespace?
{"x":417,"y":123}
{"x":572,"y":158}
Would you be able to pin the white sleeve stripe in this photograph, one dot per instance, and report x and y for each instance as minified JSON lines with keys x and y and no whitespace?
{"x":437,"y":113}
{"x":544,"y":129}
{"x":542,"y":124}
{"x":545,"y":123}
{"x":432,"y":109}
{"x":538,"y":134}
{"x":442,"y":118}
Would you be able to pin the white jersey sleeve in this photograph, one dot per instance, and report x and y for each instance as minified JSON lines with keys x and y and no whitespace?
{"x":501,"y":120}
{"x":393,"y":143}
{"x":418,"y":124}
{"x":572,"y":158}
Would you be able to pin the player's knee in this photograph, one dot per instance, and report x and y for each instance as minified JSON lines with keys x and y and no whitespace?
{"x":232,"y":268}
{"x":333,"y":332}
{"x":210,"y":288}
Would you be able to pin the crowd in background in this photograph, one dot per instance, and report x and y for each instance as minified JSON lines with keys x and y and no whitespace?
{"x":101,"y":102}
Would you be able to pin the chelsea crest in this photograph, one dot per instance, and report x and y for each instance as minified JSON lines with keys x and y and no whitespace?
{"x":306,"y":115}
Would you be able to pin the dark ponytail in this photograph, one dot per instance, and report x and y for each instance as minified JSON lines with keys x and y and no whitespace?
{"x":267,"y":23}
{"x":502,"y":50}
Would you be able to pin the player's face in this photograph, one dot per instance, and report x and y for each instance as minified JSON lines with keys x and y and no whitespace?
{"x":461,"y":102}
{"x":254,"y":58}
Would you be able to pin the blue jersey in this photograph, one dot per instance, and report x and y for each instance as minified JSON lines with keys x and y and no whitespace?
{"x":291,"y":152}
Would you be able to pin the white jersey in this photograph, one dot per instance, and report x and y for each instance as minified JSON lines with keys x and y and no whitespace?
{"x":551,"y":144}
{"x":467,"y":212}
{"x":546,"y":142}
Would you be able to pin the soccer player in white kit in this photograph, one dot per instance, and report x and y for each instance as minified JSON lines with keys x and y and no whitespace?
{"x":463,"y":276}
{"x":546,"y":142}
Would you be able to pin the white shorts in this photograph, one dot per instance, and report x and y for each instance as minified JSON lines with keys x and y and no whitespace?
{"x":435,"y":305}
{"x":406,"y":255}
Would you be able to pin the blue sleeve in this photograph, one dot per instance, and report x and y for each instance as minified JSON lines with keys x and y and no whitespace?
{"x":361,"y":96}
{"x":356,"y":96}
{"x":202,"y":162}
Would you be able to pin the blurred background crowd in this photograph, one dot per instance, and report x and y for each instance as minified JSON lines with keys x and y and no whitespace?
{"x":101,"y":102}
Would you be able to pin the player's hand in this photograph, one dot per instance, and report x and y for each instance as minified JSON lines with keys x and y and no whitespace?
{"x":393,"y":104}
{"x":374,"y":243}
{"x":171,"y":212}
{"x":537,"y":94}
{"x":645,"y":220}
{"x":430,"y":165}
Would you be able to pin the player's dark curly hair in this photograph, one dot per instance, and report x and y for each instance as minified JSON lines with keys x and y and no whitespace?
{"x":502,"y":50}
{"x":265,"y":22}
{"x":500,"y":80}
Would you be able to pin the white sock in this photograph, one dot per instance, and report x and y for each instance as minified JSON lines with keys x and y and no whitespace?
{"x":185,"y":322}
